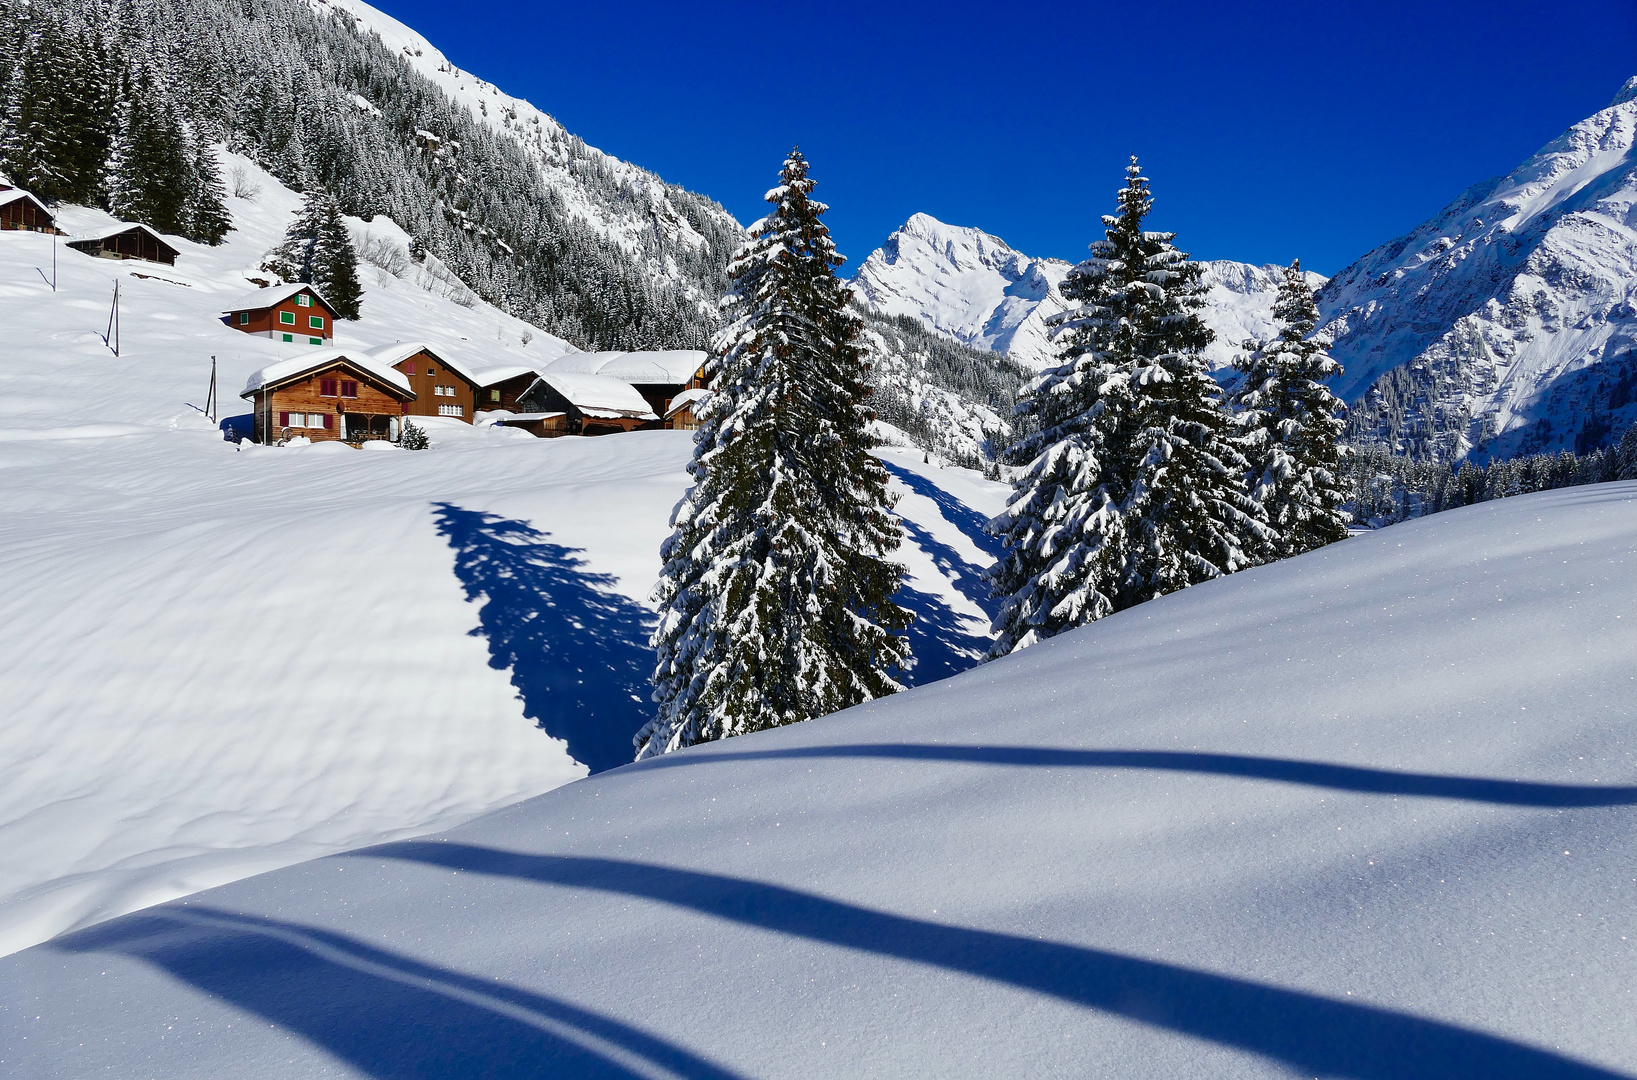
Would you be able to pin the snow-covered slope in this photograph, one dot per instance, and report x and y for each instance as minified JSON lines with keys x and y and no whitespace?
{"x":1368,"y":813}
{"x":1508,"y":322}
{"x":973,"y":287}
{"x":215,"y":661}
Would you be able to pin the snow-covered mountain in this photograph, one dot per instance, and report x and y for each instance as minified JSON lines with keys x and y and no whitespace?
{"x":977,"y":289}
{"x":1349,"y":815}
{"x":1507,"y":323}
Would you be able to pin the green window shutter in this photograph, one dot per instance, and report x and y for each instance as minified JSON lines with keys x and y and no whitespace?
{"x":288,"y":318}
{"x":289,"y":337}
{"x":244,"y":318}
{"x":315,"y":322}
{"x":315,"y":341}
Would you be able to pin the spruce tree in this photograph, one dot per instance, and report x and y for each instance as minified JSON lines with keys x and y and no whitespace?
{"x":317,"y":249}
{"x":1131,"y":481}
{"x":150,"y":174}
{"x":207,"y":218}
{"x":1292,"y":426}
{"x":776,"y":597}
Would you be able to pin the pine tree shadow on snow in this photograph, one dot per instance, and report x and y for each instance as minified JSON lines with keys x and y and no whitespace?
{"x":577,"y":650}
{"x":386,"y":1014}
{"x":945,"y":642}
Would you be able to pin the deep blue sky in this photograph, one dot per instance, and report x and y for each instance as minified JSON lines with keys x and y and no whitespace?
{"x":1269,"y":130}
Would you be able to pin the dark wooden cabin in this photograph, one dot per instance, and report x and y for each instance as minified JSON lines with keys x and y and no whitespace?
{"x":499,"y":388}
{"x":328,"y":396}
{"x":441,"y":388}
{"x":587,"y":405}
{"x":291,"y":313}
{"x":658,"y":375}
{"x":683,"y":415}
{"x":127,"y":242}
{"x":21,"y":211}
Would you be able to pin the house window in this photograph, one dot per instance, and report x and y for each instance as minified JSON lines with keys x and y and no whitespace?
{"x":409,"y":367}
{"x":349,"y":388}
{"x":303,"y":300}
{"x":289,"y":337}
{"x":315,"y":322}
{"x":244,"y":318}
{"x":326,"y":388}
{"x":494,"y":395}
{"x":315,"y":341}
{"x":451,"y":410}
{"x":288,"y":318}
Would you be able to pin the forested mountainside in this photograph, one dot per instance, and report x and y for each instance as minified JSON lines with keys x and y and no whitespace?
{"x":1506,"y":324}
{"x":338,"y":95}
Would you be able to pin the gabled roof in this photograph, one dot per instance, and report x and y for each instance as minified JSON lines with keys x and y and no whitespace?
{"x":597,"y":395}
{"x":499,"y":373}
{"x":654,"y":367}
{"x":273,"y":375}
{"x":119,"y":230}
{"x":398,"y":352}
{"x":277,"y":294}
{"x":11,"y":196}
{"x":687,"y":399}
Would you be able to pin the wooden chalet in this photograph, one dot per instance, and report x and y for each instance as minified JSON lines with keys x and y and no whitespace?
{"x":333,"y":395}
{"x":442,"y":388}
{"x":291,"y":313}
{"x":500,"y":387}
{"x":683,"y":415}
{"x":574,"y":403}
{"x":21,"y":211}
{"x":658,"y":375}
{"x":127,"y":242}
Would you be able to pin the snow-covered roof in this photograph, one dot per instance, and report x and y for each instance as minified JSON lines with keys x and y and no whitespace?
{"x":295,"y":366}
{"x":687,"y":399}
{"x":398,"y":352}
{"x":276,"y":294}
{"x":657,"y":366}
{"x":120,"y":229}
{"x":7,"y":197}
{"x":598,"y":395}
{"x":507,"y":418}
{"x":499,"y":373}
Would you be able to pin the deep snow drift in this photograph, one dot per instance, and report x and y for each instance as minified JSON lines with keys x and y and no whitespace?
{"x":1365,"y":813}
{"x":215,"y":661}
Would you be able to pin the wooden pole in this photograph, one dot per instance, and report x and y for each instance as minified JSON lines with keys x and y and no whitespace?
{"x":210,"y":398}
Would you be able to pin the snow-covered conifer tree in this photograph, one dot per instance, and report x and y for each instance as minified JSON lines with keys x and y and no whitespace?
{"x":1292,"y":426}
{"x":1132,"y":485}
{"x":776,"y":597}
{"x":207,"y":217}
{"x":318,"y":249}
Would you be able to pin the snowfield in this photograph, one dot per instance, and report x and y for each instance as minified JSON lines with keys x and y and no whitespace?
{"x":1366,"y":813}
{"x":215,"y":661}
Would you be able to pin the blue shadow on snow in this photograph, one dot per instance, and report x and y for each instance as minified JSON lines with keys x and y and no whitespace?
{"x":577,"y":650}
{"x":387,"y":1015}
{"x":1312,"y":1035}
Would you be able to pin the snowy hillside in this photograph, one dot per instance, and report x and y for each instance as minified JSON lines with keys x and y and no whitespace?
{"x":1368,"y":813}
{"x":218,"y":660}
{"x":973,"y":287}
{"x":1508,"y":322}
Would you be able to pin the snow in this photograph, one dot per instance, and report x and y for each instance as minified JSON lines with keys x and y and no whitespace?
{"x":648,"y":367}
{"x":257,"y":301}
{"x":597,"y":394}
{"x":18,"y":193}
{"x":115,"y":229}
{"x":687,"y":399}
{"x":296,"y":365}
{"x":973,"y":287}
{"x":215,"y":661}
{"x":1365,"y":813}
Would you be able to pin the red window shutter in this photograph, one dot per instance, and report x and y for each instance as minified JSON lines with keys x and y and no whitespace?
{"x":329,"y":421}
{"x":409,"y":368}
{"x":284,"y":419}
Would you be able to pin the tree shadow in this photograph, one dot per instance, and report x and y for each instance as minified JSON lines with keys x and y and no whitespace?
{"x":940,"y":636}
{"x":1284,"y":770}
{"x":386,"y":1014}
{"x":578,"y":651}
{"x":1312,"y":1035}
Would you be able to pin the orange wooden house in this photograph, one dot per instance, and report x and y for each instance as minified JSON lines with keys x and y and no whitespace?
{"x":442,"y":388}
{"x":21,"y":211}
{"x":328,"y":396}
{"x":296,"y":314}
{"x":126,"y":242}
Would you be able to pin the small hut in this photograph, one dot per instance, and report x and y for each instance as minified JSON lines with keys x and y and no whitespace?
{"x":330,"y":395}
{"x":21,"y":211}
{"x":568,"y":403}
{"x":127,"y":242}
{"x":658,"y":375}
{"x":683,"y":415}
{"x":291,"y":313}
{"x":442,"y":387}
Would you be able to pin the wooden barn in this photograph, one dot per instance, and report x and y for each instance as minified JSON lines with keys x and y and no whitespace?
{"x":332,"y":395}
{"x":572,"y":403}
{"x":442,"y":388}
{"x":291,"y":313}
{"x":21,"y":211}
{"x":127,"y":242}
{"x":658,"y":375}
{"x":500,"y":387}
